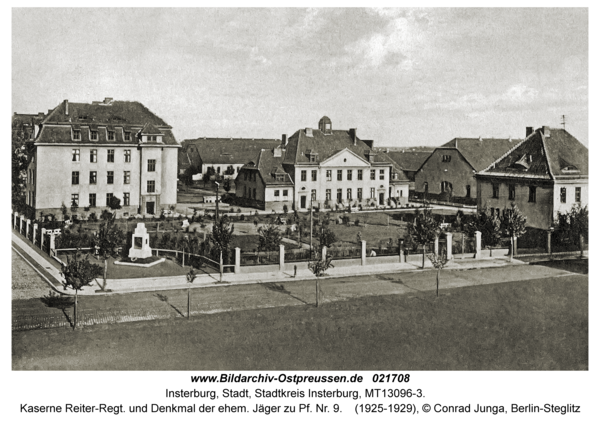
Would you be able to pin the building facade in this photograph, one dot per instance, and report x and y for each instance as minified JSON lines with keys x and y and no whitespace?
{"x":86,"y":154}
{"x":544,"y":174}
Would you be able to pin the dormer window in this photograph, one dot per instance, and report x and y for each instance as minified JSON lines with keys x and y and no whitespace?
{"x":446,"y":158}
{"x":77,"y":134}
{"x":111,"y":135}
{"x":94,"y":135}
{"x":280,"y":178}
{"x":127,"y":136}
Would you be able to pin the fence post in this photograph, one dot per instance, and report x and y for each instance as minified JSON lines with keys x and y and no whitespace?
{"x":238,"y":260}
{"x":35,"y":226}
{"x":52,"y":245}
{"x":449,"y":245}
{"x":514,"y":246}
{"x":363,"y":253}
{"x":324,"y":252}
{"x":401,"y":251}
{"x":21,"y":224}
{"x":27,"y":225}
{"x":42,"y":239}
{"x":436,"y":248}
{"x":15,"y":219}
{"x":477,"y":244}
{"x":549,"y":243}
{"x":281,"y":257}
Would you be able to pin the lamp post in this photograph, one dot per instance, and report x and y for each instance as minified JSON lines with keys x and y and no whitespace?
{"x":217,"y":203}
{"x":311,"y":223}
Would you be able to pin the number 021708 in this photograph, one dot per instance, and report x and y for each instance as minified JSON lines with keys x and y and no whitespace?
{"x":382,"y":378}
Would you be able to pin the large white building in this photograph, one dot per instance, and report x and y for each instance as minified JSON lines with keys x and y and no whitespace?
{"x":84,"y":154}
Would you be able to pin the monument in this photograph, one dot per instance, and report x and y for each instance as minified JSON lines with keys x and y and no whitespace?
{"x":140,"y":243}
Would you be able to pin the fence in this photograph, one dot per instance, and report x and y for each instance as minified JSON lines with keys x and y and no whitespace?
{"x":261,"y":258}
{"x":345,"y":252}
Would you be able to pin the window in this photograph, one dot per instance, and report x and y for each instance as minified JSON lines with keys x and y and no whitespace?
{"x":110,"y":177}
{"x":150,"y":186}
{"x":126,"y":177}
{"x":110,"y":156}
{"x":339,"y":195}
{"x":277,"y":193}
{"x":245,"y":176}
{"x":303,"y":175}
{"x":339,"y":175}
{"x":127,"y":136}
{"x":511,"y":191}
{"x":125,"y":198}
{"x":349,"y":194}
{"x":77,"y":135}
{"x":563,"y":195}
{"x":244,"y":191}
{"x":127,"y":156}
{"x":151,"y":165}
{"x":94,"y":135}
{"x":495,"y":191}
{"x":219,"y":170}
{"x":93,"y":177}
{"x":93,"y":156}
{"x":349,"y":176}
{"x":109,"y":198}
{"x":111,"y":135}
{"x":74,"y":178}
{"x":280,"y":178}
{"x":75,"y":155}
{"x":359,"y":193}
{"x":381,"y":174}
{"x":446,"y":158}
{"x":372,"y":174}
{"x":425,"y":187}
{"x":237,"y":170}
{"x":532,"y":197}
{"x":372,"y":192}
{"x":313,"y":175}
{"x":578,"y":194}
{"x":328,"y":174}
{"x":285,"y":193}
{"x":468,"y":191}
{"x":313,"y":194}
{"x":328,"y":194}
{"x":359,"y":174}
{"x":254,"y":193}
{"x":92,"y":200}
{"x":74,"y":200}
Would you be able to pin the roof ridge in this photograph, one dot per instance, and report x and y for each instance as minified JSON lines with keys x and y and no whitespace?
{"x":508,"y":152}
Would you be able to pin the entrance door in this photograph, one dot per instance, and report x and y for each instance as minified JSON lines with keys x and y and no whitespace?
{"x":150,"y":207}
{"x":381,"y":197}
{"x":303,"y":201}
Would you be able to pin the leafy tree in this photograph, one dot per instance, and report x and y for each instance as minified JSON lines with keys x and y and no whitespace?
{"x":208,"y":175}
{"x":326,"y":237}
{"x":424,"y":229}
{"x":573,"y":225}
{"x":187,"y":176}
{"x":114,"y":203}
{"x":227,"y":185}
{"x":438,"y":261}
{"x":78,"y":273}
{"x":230,"y":170}
{"x":269,"y":237}
{"x":285,"y":209}
{"x":221,"y":237}
{"x":513,"y":225}
{"x":319,"y":268}
{"x":108,"y":241}
{"x":489,"y":225}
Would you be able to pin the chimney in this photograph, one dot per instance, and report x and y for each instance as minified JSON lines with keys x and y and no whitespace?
{"x":66,"y":102}
{"x":108,"y":100}
{"x":353,"y":135}
{"x":480,"y":139}
{"x":308,"y":132}
{"x":528,"y":131}
{"x":283,"y":140}
{"x":546,"y":131}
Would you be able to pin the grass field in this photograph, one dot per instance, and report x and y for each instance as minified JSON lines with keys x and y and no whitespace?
{"x":538,"y":324}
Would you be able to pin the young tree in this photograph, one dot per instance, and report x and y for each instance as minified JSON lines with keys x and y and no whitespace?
{"x":269,"y":237}
{"x":513,"y":225}
{"x":207,"y":175}
{"x":108,"y":242}
{"x":424,"y":229}
{"x":319,"y":268}
{"x":191,"y":276}
{"x":574,"y":225}
{"x":78,"y":273}
{"x":221,"y":237}
{"x":227,"y":185}
{"x":489,"y":225}
{"x":438,"y":261}
{"x":326,"y":237}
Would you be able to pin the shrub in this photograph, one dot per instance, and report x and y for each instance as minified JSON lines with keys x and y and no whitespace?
{"x":239,"y":210}
{"x":357,"y":222}
{"x":285,"y":209}
{"x":232,"y":210}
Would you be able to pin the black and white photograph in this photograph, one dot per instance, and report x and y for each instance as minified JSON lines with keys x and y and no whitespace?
{"x":301,"y":210}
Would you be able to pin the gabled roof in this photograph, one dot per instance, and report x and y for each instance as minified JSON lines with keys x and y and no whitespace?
{"x":557,"y":156}
{"x":409,"y":160}
{"x":150,"y":129}
{"x":226,"y":150}
{"x":268,"y":167}
{"x":481,"y":152}
{"x":400,"y":175}
{"x":325,"y":145}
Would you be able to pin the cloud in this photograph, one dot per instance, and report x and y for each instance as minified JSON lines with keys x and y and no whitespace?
{"x":516,"y":95}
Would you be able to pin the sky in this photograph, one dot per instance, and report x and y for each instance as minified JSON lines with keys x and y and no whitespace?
{"x":402,"y":77}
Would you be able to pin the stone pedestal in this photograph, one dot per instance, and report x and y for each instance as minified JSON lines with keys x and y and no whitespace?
{"x":477,"y":244}
{"x":140,"y":243}
{"x":363,"y":253}
{"x":238,"y":260}
{"x":281,"y":257}
{"x":449,"y":245}
{"x":27,"y":226}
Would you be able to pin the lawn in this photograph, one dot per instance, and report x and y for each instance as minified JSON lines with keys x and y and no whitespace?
{"x":539,"y":324}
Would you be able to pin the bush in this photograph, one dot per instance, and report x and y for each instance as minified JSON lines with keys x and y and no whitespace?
{"x":285,"y":209}
{"x":357,"y":222}
{"x":239,"y":210}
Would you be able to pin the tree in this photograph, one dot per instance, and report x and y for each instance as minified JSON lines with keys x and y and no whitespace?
{"x":326,"y":237}
{"x":78,"y":273}
{"x":319,"y":268}
{"x":114,"y":203}
{"x":424,"y":229}
{"x":489,"y":225}
{"x":187,"y":176}
{"x":221,"y":237}
{"x":438,"y":261}
{"x":227,"y":185}
{"x":573,"y":225}
{"x":108,"y":242}
{"x":513,"y":225}
{"x":269,"y":237}
{"x":191,"y":276}
{"x":206,"y":177}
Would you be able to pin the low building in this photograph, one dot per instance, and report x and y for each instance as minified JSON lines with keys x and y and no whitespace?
{"x":86,"y":154}
{"x":544,"y":174}
{"x":225,"y":155}
{"x":448,"y":174}
{"x":410,"y":159}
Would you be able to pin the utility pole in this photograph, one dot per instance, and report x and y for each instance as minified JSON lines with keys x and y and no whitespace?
{"x":311,"y":224}
{"x":564,"y":121}
{"x":217,"y":203}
